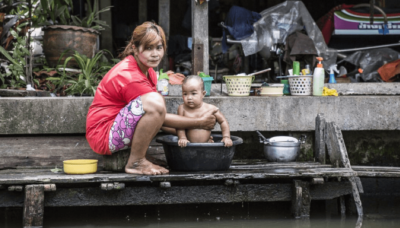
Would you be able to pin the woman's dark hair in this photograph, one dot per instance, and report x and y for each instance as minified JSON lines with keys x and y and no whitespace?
{"x":145,"y":34}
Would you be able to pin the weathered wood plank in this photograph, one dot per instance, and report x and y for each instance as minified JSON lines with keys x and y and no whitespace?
{"x":301,"y":199}
{"x":200,"y":37}
{"x":319,"y":151}
{"x":44,"y":151}
{"x":147,"y":195}
{"x":342,"y":204}
{"x":51,"y":151}
{"x":33,"y":206}
{"x":337,"y":149}
{"x":11,"y":177}
{"x":164,"y":22}
{"x":142,"y":8}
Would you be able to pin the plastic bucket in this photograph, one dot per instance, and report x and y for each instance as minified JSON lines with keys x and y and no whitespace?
{"x":207,"y":85}
{"x":238,"y":86}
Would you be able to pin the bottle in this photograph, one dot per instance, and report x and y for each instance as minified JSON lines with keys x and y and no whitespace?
{"x":318,"y":78}
{"x":332,"y":68}
{"x":162,"y":83}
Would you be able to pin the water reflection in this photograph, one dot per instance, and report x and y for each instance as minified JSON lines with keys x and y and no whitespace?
{"x":239,"y":215}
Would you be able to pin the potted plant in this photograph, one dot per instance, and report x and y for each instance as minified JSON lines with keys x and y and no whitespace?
{"x":66,"y":32}
{"x":91,"y":72}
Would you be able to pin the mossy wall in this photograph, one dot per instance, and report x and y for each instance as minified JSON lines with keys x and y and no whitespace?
{"x":377,"y":148}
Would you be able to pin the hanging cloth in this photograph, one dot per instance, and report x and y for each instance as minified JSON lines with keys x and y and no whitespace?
{"x":239,"y":24}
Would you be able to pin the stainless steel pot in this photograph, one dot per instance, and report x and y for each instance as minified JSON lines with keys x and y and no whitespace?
{"x":281,"y":148}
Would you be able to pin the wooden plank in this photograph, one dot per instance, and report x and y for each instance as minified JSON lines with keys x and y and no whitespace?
{"x":274,"y":165}
{"x":376,"y":168}
{"x":45,"y":151}
{"x":330,"y":140}
{"x":198,"y":58}
{"x":33,"y":206}
{"x":92,"y":195}
{"x":319,"y":150}
{"x":15,"y":177}
{"x":342,"y":205}
{"x":301,"y":199}
{"x":142,"y":11}
{"x":200,"y":36}
{"x":51,"y":151}
{"x":164,"y":22}
{"x":337,"y":149}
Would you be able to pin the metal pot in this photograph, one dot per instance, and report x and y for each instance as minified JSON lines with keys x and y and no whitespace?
{"x":281,"y":148}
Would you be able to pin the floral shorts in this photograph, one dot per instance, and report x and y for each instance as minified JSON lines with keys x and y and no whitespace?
{"x":124,"y":125}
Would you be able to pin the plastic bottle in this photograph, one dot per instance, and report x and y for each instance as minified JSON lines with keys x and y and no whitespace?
{"x":332,"y":68}
{"x":162,"y":83}
{"x":318,"y":78}
{"x":306,"y":71}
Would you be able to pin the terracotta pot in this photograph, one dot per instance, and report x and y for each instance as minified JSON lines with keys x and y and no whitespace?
{"x":59,"y":38}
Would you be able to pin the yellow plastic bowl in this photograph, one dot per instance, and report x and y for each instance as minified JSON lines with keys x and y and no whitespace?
{"x":80,"y":166}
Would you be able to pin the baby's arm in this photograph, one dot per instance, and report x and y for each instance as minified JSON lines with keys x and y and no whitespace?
{"x":226,"y":134}
{"x":181,"y":133}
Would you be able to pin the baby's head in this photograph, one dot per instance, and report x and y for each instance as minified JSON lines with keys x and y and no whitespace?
{"x":193,"y":91}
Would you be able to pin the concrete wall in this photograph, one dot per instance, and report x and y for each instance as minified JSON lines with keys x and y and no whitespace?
{"x":292,"y":113}
{"x":370,"y":125}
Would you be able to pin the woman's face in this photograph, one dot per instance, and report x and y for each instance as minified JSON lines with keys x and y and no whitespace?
{"x":150,"y":56}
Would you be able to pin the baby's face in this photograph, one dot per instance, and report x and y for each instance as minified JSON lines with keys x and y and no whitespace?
{"x":192,"y":94}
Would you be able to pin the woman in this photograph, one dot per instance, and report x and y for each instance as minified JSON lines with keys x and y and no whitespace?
{"x":127,"y":109}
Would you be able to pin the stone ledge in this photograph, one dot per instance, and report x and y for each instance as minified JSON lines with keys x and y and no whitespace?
{"x":292,"y":113}
{"x":344,"y":89}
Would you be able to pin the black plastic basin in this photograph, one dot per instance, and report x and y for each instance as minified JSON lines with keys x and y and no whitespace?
{"x":198,"y":156}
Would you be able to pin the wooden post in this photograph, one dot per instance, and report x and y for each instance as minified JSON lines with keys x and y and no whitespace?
{"x":33,"y":206}
{"x":200,"y":38}
{"x":301,"y":199}
{"x":142,"y":11}
{"x":339,"y":158}
{"x":106,"y":38}
{"x":164,"y":21}
{"x":319,"y":139}
{"x":342,"y":205}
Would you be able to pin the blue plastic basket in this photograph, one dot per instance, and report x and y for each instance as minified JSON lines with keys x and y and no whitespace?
{"x":207,"y":85}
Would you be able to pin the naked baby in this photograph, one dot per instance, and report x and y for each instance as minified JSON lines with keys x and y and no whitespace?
{"x":193,"y":106}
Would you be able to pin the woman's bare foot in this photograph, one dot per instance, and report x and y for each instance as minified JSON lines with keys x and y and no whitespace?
{"x":145,"y":167}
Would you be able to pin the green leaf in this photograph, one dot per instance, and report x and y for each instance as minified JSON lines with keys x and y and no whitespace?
{"x":23,"y":25}
{"x":53,"y":79}
{"x":5,"y":53}
{"x":13,"y":33}
{"x":26,"y":51}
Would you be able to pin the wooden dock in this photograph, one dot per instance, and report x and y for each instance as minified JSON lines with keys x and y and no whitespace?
{"x":245,"y":181}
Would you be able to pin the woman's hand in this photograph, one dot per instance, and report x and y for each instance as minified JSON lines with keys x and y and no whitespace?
{"x":207,"y":121}
{"x":183,"y":142}
{"x":227,"y":141}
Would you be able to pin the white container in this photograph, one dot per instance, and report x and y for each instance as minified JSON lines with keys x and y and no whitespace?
{"x":162,"y":87}
{"x":274,"y":90}
{"x":318,"y":81}
{"x":301,"y":85}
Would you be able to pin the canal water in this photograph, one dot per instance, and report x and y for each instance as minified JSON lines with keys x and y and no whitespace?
{"x":380,"y":212}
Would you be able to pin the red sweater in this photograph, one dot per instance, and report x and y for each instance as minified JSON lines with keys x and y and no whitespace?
{"x":122,"y":84}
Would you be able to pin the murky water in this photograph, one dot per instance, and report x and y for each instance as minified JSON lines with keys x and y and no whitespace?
{"x":380,"y":212}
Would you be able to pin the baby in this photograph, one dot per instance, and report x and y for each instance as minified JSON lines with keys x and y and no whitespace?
{"x":193,"y":106}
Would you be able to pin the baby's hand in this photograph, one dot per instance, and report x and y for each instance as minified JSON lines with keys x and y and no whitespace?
{"x":227,"y":142}
{"x":211,"y":140}
{"x":183,"y":142}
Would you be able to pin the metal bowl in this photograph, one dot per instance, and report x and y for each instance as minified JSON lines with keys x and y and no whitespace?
{"x":198,"y":156}
{"x":281,"y":151}
{"x":281,"y":148}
